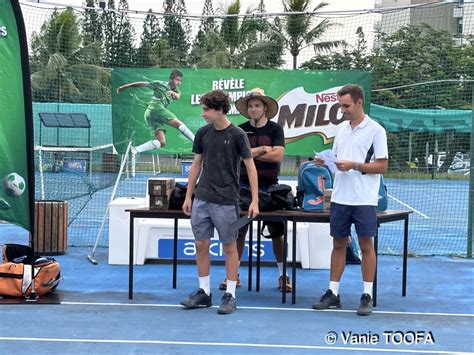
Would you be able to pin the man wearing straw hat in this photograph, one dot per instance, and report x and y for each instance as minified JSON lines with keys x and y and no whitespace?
{"x":268,"y":146}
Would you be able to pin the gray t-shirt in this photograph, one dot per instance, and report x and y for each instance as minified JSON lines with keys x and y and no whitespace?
{"x":222,"y":151}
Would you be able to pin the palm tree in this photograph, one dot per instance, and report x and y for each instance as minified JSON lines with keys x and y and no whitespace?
{"x":248,"y":41}
{"x":299,"y":31}
{"x":58,"y":72}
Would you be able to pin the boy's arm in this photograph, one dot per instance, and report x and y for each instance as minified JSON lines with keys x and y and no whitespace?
{"x":194,"y":172}
{"x":252,"y":173}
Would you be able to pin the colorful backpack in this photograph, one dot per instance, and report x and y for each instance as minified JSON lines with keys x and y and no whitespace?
{"x":312,"y":181}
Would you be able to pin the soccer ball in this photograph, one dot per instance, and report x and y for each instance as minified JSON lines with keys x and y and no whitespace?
{"x":14,"y":184}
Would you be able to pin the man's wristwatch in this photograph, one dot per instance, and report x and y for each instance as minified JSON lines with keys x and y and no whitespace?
{"x":357,"y":166}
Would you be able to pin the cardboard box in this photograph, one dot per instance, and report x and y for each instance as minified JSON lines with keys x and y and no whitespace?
{"x":160,"y":187}
{"x":327,"y":200}
{"x":158,"y":202}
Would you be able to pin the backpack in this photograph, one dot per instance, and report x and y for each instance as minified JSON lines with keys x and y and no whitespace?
{"x":312,"y":181}
{"x":15,"y":272}
{"x":383,"y":199}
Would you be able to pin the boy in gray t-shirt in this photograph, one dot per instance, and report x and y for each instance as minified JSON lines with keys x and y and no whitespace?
{"x":218,"y":150}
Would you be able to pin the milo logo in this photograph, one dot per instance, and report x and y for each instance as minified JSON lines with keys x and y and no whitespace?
{"x":303,"y":114}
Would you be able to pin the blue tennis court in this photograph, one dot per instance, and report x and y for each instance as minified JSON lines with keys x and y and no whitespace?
{"x":95,"y":315}
{"x":438,"y":225}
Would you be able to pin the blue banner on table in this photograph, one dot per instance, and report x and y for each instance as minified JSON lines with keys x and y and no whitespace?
{"x":187,"y":250}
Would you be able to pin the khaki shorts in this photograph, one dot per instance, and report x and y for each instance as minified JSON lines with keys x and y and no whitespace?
{"x":205,"y":216}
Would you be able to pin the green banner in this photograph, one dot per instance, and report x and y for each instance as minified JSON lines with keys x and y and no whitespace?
{"x":309,"y":112}
{"x":14,"y":120}
{"x":422,"y":120}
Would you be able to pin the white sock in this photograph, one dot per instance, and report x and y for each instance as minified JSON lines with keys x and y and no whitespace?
{"x":150,"y":145}
{"x":334,"y":287}
{"x":231,"y":285}
{"x":186,"y":132}
{"x":205,"y":284}
{"x":280,"y":269}
{"x":368,"y":287}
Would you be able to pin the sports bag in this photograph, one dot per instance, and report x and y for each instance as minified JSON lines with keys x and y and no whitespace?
{"x":265,"y":202}
{"x":282,"y":195}
{"x":178,"y":195}
{"x":313,"y":180}
{"x":15,"y":272}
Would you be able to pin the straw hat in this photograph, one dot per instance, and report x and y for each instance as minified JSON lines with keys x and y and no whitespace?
{"x":257,"y":93}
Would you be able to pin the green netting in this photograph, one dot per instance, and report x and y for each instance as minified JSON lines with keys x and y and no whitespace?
{"x":421,"y":60}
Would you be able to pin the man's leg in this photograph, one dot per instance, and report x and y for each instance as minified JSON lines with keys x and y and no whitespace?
{"x":365,"y":223}
{"x":182,"y":128}
{"x":240,"y":250}
{"x":368,"y":274}
{"x":276,"y":231}
{"x":222,"y":218}
{"x":203,"y":230}
{"x":203,"y":259}
{"x":338,"y":258}
{"x":231,"y":260}
{"x":331,"y":298}
{"x":158,"y":142}
{"x":228,"y":303}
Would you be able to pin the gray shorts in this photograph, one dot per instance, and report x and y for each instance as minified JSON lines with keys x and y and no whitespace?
{"x":205,"y":216}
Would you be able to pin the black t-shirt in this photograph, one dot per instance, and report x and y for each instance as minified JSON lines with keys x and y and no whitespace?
{"x":272,"y":135}
{"x":222,"y":151}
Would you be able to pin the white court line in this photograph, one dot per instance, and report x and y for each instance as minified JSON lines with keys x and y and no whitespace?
{"x":267,"y":309}
{"x":410,"y":207}
{"x":250,"y":345}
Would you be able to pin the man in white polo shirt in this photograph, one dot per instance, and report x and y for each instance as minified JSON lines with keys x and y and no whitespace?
{"x":360,"y":147}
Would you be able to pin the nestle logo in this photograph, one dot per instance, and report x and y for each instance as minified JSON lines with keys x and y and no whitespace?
{"x":325,"y":98}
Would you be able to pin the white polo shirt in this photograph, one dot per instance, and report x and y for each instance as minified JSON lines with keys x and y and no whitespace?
{"x":364,"y":144}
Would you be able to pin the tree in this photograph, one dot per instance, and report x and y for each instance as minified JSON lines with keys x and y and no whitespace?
{"x":118,"y":36}
{"x":149,"y":42}
{"x":249,"y":41}
{"x":58,"y":74}
{"x":176,"y":31}
{"x":299,"y":31}
{"x":206,"y":47}
{"x":425,"y":65}
{"x":91,"y":35}
{"x":351,"y":57}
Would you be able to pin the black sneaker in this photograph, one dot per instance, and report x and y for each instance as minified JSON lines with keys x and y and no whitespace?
{"x":328,"y":301}
{"x":365,"y":307}
{"x":197,"y":299}
{"x":228,"y":304}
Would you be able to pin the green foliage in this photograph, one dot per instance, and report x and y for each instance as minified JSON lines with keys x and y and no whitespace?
{"x":420,"y":54}
{"x":60,"y":71}
{"x":299,"y":31}
{"x":176,"y":30}
{"x":118,"y":36}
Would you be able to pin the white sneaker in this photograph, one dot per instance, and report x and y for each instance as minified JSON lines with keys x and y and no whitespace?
{"x":133,"y":159}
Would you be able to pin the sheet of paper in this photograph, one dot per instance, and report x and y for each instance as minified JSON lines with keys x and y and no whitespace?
{"x":329,"y":159}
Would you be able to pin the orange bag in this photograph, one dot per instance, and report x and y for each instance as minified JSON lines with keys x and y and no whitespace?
{"x":15,"y":278}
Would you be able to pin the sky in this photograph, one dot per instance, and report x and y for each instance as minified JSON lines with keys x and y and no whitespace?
{"x":195,"y":6}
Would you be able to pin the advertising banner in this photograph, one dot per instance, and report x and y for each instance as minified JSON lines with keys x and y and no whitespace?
{"x":309,"y":111}
{"x":16,"y":129}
